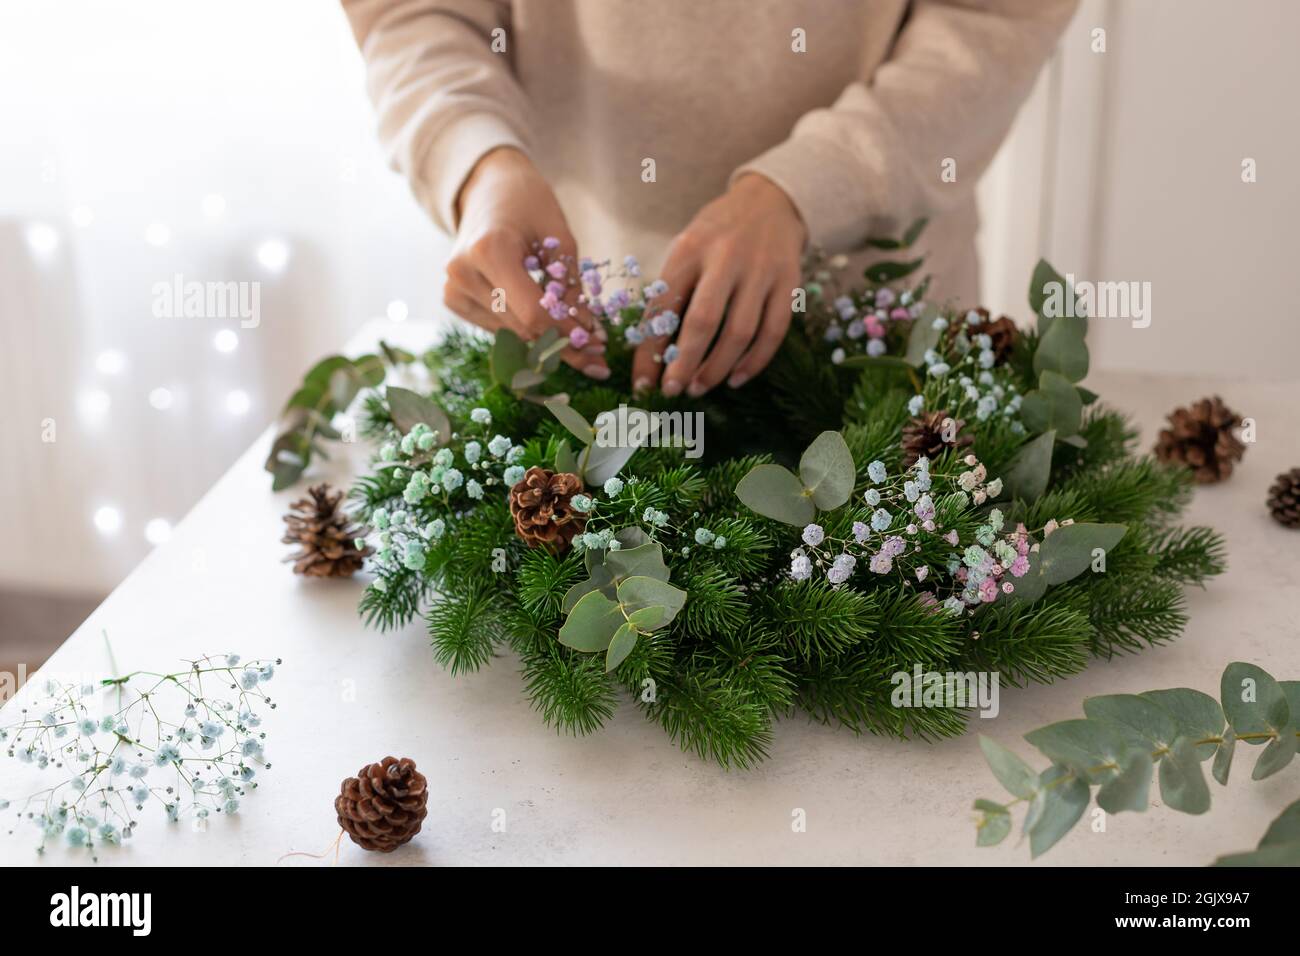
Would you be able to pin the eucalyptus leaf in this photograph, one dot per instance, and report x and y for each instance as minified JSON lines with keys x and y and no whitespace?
{"x":631,"y":537}
{"x":1068,"y":551}
{"x":601,"y":579}
{"x":1091,"y":748}
{"x":994,"y":823}
{"x":1064,"y":798}
{"x":914,"y":231}
{"x":636,"y":593}
{"x":1031,"y":585}
{"x":1146,"y":724}
{"x":618,"y":435}
{"x":922,"y":337}
{"x":526,"y":378}
{"x":592,"y":623}
{"x":647,"y":619}
{"x":509,"y":354}
{"x":646,"y":560}
{"x":409,"y":409}
{"x":565,"y":460}
{"x":1062,"y":349}
{"x":319,"y":375}
{"x":1041,"y":284}
{"x":1277,"y":854}
{"x":1012,"y":772}
{"x":775,"y":492}
{"x":1266,"y":712}
{"x":1198,"y":715}
{"x":1131,"y":790}
{"x":1026,"y":476}
{"x":1276,"y":755}
{"x":881,"y":272}
{"x":572,"y":419}
{"x":1223,"y":759}
{"x":1291,"y":690}
{"x":826,"y":469}
{"x":1285,"y":828}
{"x":1182,"y":785}
{"x":1055,"y":404}
{"x":620,"y":646}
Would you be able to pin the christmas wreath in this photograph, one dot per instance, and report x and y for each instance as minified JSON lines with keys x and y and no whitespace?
{"x":906,"y":486}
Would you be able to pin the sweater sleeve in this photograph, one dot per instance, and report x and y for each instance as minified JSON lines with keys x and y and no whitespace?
{"x":439,"y":73}
{"x":871,"y":163}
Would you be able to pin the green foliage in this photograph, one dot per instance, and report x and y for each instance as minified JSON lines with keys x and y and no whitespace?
{"x":1127,"y":740}
{"x":715,"y":643}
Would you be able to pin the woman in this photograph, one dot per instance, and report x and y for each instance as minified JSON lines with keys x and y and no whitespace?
{"x":716,"y":140}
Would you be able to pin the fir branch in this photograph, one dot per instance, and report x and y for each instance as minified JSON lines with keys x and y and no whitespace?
{"x":394,"y":602}
{"x":1190,"y":555}
{"x":819,"y":622}
{"x":714,"y":719}
{"x":1031,"y":643}
{"x":465,"y":626}
{"x":571,"y":691}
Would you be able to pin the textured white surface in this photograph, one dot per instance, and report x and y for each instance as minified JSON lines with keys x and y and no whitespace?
{"x":627,"y":794}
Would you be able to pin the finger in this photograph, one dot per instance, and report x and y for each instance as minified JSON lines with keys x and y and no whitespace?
{"x":708,"y":300}
{"x":776,"y":320}
{"x":505,"y":270}
{"x":743,"y":317}
{"x":589,"y":360}
{"x":645,"y":368}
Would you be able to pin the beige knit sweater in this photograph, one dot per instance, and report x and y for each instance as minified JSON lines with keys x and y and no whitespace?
{"x":853,"y":107}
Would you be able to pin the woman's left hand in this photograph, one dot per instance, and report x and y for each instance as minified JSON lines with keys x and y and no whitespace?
{"x":734,"y":268}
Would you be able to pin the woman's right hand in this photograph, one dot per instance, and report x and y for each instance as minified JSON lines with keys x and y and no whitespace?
{"x":505,"y":209}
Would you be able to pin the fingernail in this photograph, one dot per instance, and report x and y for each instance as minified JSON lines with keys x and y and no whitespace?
{"x":671,"y":387}
{"x":642,"y":385}
{"x":596,"y":371}
{"x":737,"y":380}
{"x":602,"y":335}
{"x":696,"y":390}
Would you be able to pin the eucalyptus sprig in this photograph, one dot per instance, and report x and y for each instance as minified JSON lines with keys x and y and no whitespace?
{"x":328,"y":390}
{"x":187,"y":741}
{"x":1126,"y":739}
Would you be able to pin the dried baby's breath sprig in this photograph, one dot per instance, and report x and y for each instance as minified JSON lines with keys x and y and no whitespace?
{"x":188,"y":741}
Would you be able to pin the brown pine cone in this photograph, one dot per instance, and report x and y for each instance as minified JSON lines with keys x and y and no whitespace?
{"x":384,"y":805}
{"x":1284,"y":499}
{"x":1201,"y":437}
{"x":925,"y":435}
{"x":325,"y":535}
{"x":541,"y":506}
{"x":1004,"y":333}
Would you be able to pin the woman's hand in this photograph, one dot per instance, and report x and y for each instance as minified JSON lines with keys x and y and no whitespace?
{"x":504,"y":209}
{"x":739,"y":257}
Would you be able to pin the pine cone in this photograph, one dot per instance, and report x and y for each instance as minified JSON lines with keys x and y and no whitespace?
{"x":1201,"y":438}
{"x":325,"y":535}
{"x":1002,"y":331}
{"x":925,"y":435}
{"x":384,"y":805}
{"x":1284,"y":499}
{"x":541,"y":506}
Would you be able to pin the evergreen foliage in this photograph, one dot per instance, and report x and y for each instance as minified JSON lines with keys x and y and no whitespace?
{"x":749,"y":644}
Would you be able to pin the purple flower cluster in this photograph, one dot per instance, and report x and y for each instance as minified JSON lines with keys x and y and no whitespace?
{"x":569,"y":285}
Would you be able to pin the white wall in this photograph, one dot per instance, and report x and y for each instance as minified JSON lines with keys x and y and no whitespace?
{"x":1126,"y":166}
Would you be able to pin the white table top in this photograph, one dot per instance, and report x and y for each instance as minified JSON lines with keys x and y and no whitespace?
{"x":627,"y":794}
